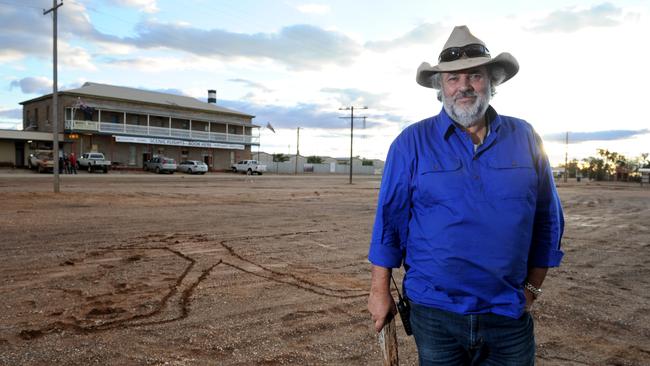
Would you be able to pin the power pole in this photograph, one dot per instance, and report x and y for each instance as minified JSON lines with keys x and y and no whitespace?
{"x":55,"y":100}
{"x":297,"y":150}
{"x":351,"y":109}
{"x":566,"y":157}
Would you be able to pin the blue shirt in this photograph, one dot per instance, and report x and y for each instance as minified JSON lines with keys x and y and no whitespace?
{"x":467,"y":224}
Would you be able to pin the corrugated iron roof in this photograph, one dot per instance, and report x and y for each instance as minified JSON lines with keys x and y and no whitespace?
{"x":146,"y":96}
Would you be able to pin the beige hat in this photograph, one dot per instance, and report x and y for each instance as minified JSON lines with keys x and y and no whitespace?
{"x":460,"y":58}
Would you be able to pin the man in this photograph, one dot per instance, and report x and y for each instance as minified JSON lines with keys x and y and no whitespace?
{"x":73,"y":163}
{"x":468,"y":206}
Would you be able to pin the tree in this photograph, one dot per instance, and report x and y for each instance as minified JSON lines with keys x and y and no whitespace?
{"x":279,"y":158}
{"x":367,"y":162}
{"x":571,"y":168}
{"x":594,"y":168}
{"x":314,"y":159}
{"x":644,"y":160}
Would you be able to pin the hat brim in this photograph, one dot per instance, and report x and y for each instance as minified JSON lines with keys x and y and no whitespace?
{"x":505,"y":60}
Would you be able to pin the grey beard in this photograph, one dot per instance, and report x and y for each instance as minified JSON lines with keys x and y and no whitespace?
{"x":469,"y":116}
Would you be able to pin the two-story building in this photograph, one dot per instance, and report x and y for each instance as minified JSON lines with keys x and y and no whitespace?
{"x":131,"y":125}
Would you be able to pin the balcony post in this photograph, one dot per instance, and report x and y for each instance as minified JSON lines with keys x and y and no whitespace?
{"x":148,"y":133}
{"x":169,"y":131}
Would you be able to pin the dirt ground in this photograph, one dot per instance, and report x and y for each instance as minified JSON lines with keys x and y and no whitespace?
{"x":224,"y":269}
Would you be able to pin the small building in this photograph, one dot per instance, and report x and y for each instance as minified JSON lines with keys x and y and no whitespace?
{"x":15,"y":146}
{"x":132,"y":125}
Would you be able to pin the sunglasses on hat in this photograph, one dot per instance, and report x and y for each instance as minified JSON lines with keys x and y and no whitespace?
{"x":471,"y":51}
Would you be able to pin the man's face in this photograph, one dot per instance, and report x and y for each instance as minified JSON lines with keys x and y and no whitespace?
{"x":466,"y":95}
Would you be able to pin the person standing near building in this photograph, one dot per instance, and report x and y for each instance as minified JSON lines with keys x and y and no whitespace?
{"x":73,"y":163}
{"x":468,"y":205}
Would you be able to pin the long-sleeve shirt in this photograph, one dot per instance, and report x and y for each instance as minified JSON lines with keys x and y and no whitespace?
{"x":467,"y":223}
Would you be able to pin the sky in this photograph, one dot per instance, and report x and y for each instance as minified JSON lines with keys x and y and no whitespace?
{"x":294,"y":63}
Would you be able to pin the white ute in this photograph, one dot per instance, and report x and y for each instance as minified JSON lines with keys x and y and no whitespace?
{"x":93,"y":161}
{"x":249,"y":167}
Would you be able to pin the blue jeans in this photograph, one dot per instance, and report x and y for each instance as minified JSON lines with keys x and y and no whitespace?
{"x":450,"y":339}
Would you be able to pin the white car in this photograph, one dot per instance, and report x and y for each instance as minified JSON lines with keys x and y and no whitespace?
{"x":192,"y":167}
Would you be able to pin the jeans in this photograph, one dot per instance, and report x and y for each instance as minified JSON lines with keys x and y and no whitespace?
{"x":449,"y":339}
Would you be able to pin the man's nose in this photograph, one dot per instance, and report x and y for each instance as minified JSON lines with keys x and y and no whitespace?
{"x":465,"y":83}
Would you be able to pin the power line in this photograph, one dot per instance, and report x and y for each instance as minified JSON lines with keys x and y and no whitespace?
{"x":351,"y":109}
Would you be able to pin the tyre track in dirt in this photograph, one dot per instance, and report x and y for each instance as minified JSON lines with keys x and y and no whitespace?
{"x":189,"y":279}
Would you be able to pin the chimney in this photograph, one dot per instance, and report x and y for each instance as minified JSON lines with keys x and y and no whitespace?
{"x":212,"y":96}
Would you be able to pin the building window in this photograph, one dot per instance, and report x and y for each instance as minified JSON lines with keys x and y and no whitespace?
{"x":36,"y":115}
{"x":47,"y":113}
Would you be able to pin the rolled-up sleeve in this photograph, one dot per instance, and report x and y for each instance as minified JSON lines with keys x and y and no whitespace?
{"x":393,"y":209}
{"x":548,"y":226}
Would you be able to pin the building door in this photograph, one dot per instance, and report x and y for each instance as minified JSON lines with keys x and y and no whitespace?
{"x":207,"y":159}
{"x":20,"y":154}
{"x":145,"y":156}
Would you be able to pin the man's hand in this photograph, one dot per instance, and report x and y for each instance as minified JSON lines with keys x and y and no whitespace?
{"x":536,"y":277}
{"x":380,"y":301}
{"x":529,"y":300}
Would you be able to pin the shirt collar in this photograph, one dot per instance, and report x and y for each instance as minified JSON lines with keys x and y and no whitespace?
{"x":446,"y":125}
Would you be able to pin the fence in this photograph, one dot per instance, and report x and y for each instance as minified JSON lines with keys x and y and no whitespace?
{"x":332,"y":168}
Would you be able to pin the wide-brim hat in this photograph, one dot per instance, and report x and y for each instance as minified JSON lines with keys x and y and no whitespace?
{"x":460,"y":37}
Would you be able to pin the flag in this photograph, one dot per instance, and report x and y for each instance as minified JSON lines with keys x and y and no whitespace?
{"x":268,"y":125}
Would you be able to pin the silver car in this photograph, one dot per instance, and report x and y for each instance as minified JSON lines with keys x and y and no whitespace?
{"x":161,"y":164}
{"x":193,"y":167}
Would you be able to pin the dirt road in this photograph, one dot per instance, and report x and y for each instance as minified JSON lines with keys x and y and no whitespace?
{"x":222,"y":269}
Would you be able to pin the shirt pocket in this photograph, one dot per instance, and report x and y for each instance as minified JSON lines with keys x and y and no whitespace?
{"x":441,"y":180}
{"x":514,"y":178}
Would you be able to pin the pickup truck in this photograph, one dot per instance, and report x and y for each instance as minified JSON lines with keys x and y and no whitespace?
{"x":41,"y":161}
{"x":248,"y":167}
{"x":93,"y":161}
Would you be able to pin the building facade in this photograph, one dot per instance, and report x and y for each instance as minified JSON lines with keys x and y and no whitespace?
{"x":131,"y":126}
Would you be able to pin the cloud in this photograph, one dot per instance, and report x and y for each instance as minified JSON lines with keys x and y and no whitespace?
{"x":251,"y":84}
{"x":578,"y":137}
{"x":314,"y":8}
{"x":572,"y":19}
{"x":425,"y":33}
{"x":33,"y":85}
{"x":26,"y":32}
{"x":356,"y":97}
{"x":298,"y":46}
{"x":12,"y":113}
{"x":306,"y":115}
{"x":147,"y":6}
{"x":173,"y":91}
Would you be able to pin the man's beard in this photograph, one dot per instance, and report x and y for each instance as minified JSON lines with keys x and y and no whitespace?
{"x":469,"y":115}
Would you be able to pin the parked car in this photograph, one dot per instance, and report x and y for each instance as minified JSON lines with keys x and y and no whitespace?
{"x":192,"y":167}
{"x":160,"y":164}
{"x":93,"y":161}
{"x":41,"y":161}
{"x":248,"y":167}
